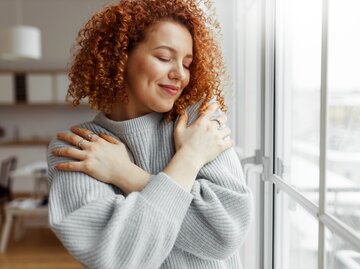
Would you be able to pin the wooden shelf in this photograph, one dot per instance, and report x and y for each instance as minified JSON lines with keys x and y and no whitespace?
{"x":37,"y":142}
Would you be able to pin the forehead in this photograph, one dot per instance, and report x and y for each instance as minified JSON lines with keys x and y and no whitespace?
{"x":171,"y":34}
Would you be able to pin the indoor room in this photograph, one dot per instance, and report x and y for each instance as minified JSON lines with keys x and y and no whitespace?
{"x":155,"y":175}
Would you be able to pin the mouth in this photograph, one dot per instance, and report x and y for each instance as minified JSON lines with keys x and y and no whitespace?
{"x":170,"y":89}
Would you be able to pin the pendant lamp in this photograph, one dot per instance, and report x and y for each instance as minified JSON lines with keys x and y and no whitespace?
{"x":19,"y":42}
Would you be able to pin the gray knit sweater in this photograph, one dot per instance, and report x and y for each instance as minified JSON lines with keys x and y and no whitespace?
{"x":163,"y":226}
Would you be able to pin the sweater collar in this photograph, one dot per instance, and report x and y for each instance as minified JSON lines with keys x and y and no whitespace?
{"x":136,"y":125}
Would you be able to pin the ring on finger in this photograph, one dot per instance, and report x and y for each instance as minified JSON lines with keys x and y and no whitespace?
{"x":81,"y":142}
{"x":89,"y":136}
{"x":218,"y":121}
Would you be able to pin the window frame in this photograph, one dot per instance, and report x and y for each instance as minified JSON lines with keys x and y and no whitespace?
{"x":272,"y":167}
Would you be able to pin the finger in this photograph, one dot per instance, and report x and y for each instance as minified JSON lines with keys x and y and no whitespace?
{"x":183,"y":120}
{"x":85,"y":133}
{"x":109,"y":138}
{"x":70,"y":166}
{"x":69,"y":153}
{"x":221,"y":118}
{"x":211,"y":108}
{"x":73,"y":139}
{"x":225,"y":132}
{"x":209,"y":111}
{"x":216,"y":123}
{"x":227,"y":144}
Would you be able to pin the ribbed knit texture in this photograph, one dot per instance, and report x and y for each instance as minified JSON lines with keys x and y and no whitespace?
{"x":163,"y":226}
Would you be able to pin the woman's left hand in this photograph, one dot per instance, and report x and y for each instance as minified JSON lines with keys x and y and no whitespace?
{"x":102,"y":157}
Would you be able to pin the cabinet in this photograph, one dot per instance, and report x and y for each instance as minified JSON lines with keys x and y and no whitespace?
{"x":33,"y":88}
{"x":30,"y":127}
{"x":33,"y":108}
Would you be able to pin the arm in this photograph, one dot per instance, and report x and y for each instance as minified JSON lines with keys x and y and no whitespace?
{"x":219,"y":216}
{"x":204,"y":143}
{"x":218,"y":219}
{"x":101,"y":228}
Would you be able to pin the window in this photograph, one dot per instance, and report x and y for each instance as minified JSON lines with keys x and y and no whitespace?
{"x":308,"y":200}
{"x":317,"y":154}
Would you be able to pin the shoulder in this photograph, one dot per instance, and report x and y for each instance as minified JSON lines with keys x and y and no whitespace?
{"x":57,"y":143}
{"x":193,"y":111}
{"x":88,"y":125}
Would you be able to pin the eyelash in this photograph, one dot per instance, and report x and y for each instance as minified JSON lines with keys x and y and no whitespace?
{"x":164,"y":59}
{"x":168,"y":60}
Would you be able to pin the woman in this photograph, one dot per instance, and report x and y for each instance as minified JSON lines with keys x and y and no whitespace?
{"x":152,"y":181}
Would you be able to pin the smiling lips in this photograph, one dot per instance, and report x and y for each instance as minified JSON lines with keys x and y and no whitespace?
{"x":170,"y":89}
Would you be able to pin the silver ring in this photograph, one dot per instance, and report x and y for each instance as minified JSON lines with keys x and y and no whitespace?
{"x":81,"y":142}
{"x":89,"y":136}
{"x":218,"y":121}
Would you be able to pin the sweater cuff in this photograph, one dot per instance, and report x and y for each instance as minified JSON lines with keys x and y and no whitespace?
{"x":163,"y":193}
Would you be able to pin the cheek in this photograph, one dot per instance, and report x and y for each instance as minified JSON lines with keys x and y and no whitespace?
{"x":153,"y":70}
{"x":187,"y":80}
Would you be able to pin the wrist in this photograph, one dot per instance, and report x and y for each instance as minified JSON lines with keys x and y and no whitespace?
{"x":183,"y":168}
{"x":193,"y":157}
{"x":133,"y":180}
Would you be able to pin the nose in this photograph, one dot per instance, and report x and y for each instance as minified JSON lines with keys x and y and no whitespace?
{"x":177,"y":72}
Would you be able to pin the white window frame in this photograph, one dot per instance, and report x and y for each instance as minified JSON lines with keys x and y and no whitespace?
{"x":270,"y":168}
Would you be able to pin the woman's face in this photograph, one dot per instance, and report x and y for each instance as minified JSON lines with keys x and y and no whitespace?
{"x":158,"y":69}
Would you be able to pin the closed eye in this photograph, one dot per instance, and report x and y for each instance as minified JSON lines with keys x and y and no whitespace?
{"x":163,"y":59}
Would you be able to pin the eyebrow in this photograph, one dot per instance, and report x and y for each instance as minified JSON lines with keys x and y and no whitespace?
{"x":172,"y":50}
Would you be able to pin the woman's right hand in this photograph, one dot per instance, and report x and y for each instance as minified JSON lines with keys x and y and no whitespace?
{"x":204,"y":139}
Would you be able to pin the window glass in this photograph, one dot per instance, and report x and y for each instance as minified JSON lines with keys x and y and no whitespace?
{"x":340,"y":254}
{"x":343,"y":148}
{"x":296,"y":235}
{"x":298,"y":77}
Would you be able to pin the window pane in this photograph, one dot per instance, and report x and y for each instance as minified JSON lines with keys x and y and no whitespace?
{"x":343,"y":157}
{"x":298,"y":77}
{"x":340,"y":255}
{"x":296,"y":235}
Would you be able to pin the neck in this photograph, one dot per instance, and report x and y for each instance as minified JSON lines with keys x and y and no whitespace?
{"x":124,"y":112}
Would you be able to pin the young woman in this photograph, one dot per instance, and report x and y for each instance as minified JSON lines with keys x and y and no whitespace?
{"x":153,"y":180}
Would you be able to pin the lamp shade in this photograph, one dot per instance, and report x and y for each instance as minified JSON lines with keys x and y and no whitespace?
{"x":20,"y":42}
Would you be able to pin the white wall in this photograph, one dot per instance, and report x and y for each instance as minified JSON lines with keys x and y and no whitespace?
{"x":59,"y":22}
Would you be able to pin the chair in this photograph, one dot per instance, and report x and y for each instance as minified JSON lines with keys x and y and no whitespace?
{"x":7,"y":166}
{"x":13,"y":212}
{"x":19,"y":208}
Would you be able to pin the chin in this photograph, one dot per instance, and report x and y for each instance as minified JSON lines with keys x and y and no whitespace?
{"x":164,"y":108}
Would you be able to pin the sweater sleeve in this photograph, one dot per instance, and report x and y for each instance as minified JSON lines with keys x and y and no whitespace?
{"x":104,"y":229}
{"x":219,"y":216}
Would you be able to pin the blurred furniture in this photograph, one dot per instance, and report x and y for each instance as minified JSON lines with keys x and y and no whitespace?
{"x":36,"y":172}
{"x":28,"y":208}
{"x":41,"y":186}
{"x":33,"y":207}
{"x":7,"y":166}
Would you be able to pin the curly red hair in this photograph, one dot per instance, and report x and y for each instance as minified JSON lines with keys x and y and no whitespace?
{"x":104,"y":43}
